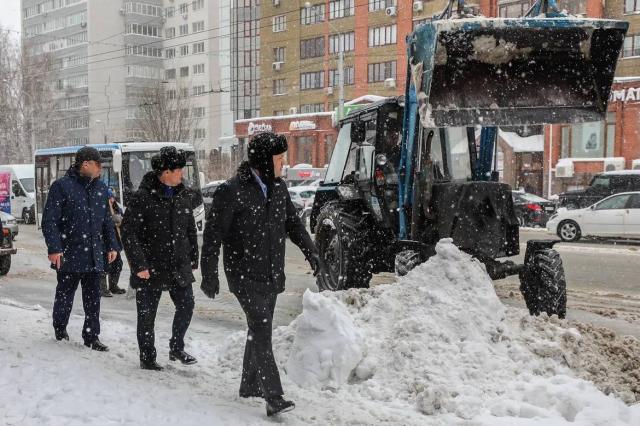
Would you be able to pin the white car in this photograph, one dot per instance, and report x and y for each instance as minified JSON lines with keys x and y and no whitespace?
{"x":617,"y":216}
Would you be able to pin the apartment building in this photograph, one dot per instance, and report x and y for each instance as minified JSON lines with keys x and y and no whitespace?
{"x":106,"y":53}
{"x":245,"y":58}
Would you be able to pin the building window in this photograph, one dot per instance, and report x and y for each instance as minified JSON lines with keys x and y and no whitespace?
{"x":170,"y":74}
{"x":311,"y":108}
{"x":200,"y":133}
{"x":278,"y":113}
{"x":381,"y":71}
{"x":345,"y":41}
{"x":305,"y":149}
{"x":279,"y":86}
{"x":184,"y":50}
{"x":170,"y":11}
{"x":197,"y":5}
{"x":631,"y":46}
{"x":334,"y":77}
{"x":198,"y":27}
{"x":184,"y":29}
{"x":170,"y":32}
{"x":573,"y":7}
{"x":248,"y":85}
{"x":170,"y":53}
{"x":381,"y":4}
{"x":631,"y":6}
{"x":341,"y":8}
{"x":279,"y":23}
{"x":198,"y":90}
{"x":184,"y":72}
{"x":312,"y":48}
{"x":312,"y":80}
{"x":141,"y":29}
{"x":183,"y":8}
{"x":198,"y":112}
{"x":142,"y":9}
{"x":313,"y":14}
{"x":514,"y":9}
{"x":198,"y":69}
{"x":154,"y":52}
{"x":589,"y":140}
{"x":278,"y":54}
{"x":198,"y":48}
{"x":381,"y":36}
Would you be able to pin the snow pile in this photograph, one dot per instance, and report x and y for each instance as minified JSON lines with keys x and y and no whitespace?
{"x":328,"y":345}
{"x":440,"y":343}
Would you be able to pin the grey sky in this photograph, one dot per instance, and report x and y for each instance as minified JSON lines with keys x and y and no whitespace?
{"x":10,"y":14}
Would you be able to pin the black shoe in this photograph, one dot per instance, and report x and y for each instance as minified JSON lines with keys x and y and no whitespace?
{"x":184,"y":357}
{"x":97,"y":345}
{"x":151,"y":365}
{"x":62,"y":335}
{"x":106,"y":293}
{"x":279,"y":405}
{"x":117,"y":290}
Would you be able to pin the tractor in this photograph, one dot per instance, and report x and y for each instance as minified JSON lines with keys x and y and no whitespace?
{"x":408,"y":171}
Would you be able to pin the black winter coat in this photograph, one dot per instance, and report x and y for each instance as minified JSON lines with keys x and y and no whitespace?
{"x":77,"y":223}
{"x":159,"y":234}
{"x":253,"y":230}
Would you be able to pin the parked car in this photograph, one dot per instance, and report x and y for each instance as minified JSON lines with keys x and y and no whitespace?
{"x":617,"y":216}
{"x":207,"y":194}
{"x":6,"y":251}
{"x":602,"y":185}
{"x":304,"y":195}
{"x":531,"y":209}
{"x":9,"y":222}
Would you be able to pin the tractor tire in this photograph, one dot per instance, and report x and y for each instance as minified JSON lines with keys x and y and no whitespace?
{"x":341,"y":250}
{"x":543,"y":284}
{"x":569,"y":231}
{"x":5,"y":264}
{"x":406,"y":261}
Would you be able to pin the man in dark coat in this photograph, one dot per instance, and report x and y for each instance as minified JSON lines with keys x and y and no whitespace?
{"x":251,"y":216}
{"x":78,"y":231}
{"x":160,"y":239}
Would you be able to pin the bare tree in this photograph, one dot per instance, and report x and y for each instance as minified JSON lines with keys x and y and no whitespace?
{"x":165,"y":114}
{"x":27,"y":109}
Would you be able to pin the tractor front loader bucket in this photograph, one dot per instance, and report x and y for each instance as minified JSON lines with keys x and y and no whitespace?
{"x":512,"y":72}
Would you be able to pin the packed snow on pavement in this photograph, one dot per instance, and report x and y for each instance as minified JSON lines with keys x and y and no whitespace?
{"x":437,"y":347}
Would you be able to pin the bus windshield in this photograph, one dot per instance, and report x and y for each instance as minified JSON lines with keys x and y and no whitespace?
{"x":137,"y":164}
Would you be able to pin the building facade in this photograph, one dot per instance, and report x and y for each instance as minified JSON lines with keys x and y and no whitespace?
{"x":105,"y":54}
{"x":245,"y":40}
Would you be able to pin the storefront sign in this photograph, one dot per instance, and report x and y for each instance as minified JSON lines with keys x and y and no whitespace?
{"x":302,"y":125}
{"x":259,"y":128}
{"x":5,"y":192}
{"x":628,"y":94}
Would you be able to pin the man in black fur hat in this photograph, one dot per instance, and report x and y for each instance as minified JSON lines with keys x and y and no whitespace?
{"x":251,"y":216}
{"x":160,"y":240}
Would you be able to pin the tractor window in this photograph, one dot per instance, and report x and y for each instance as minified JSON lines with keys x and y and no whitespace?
{"x":435,"y":154}
{"x":339,"y":156}
{"x":458,"y":158}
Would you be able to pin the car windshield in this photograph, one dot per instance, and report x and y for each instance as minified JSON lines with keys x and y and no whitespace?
{"x":528,"y":198}
{"x":28,"y":184}
{"x":601,"y":182}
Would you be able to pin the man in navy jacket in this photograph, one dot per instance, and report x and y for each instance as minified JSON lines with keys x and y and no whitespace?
{"x":78,"y":231}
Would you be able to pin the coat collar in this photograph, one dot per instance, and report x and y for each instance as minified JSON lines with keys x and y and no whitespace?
{"x":152,"y":184}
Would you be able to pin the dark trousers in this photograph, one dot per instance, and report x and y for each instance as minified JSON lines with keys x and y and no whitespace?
{"x":147,"y":300}
{"x":63,"y":303}
{"x":113,"y":274}
{"x":260,"y":376}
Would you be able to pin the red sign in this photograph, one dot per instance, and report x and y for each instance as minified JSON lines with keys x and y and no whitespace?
{"x":305,"y":174}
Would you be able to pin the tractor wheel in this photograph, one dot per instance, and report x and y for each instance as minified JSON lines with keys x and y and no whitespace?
{"x":342,"y":253}
{"x":405,"y":261}
{"x":5,"y":264}
{"x":543,"y":284}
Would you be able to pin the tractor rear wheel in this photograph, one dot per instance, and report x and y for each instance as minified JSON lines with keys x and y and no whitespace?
{"x":342,"y":250}
{"x":543,"y":284}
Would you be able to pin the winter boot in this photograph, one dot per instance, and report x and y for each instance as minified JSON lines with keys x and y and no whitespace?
{"x":117,"y":290}
{"x":151,"y":365}
{"x":278,"y":405}
{"x":62,"y":335}
{"x":97,"y":345}
{"x":184,"y":357}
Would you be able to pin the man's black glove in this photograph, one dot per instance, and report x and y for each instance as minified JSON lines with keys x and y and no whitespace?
{"x":316,"y":263}
{"x":210,"y":286}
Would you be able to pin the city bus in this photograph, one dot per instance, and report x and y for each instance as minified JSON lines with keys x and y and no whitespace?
{"x":123,"y":167}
